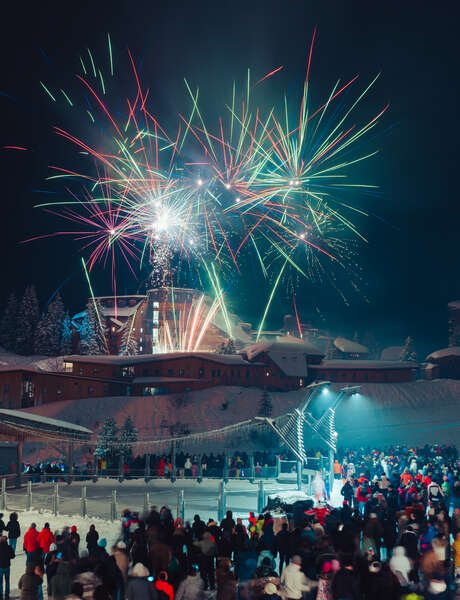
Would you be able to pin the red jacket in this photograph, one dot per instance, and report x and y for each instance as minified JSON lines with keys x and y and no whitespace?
{"x":45,"y":539}
{"x":31,"y":540}
{"x":359,"y":496}
{"x":165,"y":587}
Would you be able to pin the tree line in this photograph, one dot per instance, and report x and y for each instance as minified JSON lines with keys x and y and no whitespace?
{"x":27,"y":330}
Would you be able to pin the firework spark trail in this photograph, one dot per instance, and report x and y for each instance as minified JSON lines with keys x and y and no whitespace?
{"x":266,"y":181}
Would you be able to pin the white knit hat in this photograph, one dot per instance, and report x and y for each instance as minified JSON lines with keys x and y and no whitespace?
{"x":139,"y":570}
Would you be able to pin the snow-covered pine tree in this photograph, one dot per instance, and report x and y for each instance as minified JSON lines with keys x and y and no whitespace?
{"x":8,"y":323}
{"x":408,"y":352}
{"x":128,"y":344}
{"x":128,"y":435}
{"x":92,"y":339}
{"x":66,"y":346}
{"x":265,"y":405}
{"x":107,"y":441}
{"x":49,"y":328}
{"x":26,"y":321}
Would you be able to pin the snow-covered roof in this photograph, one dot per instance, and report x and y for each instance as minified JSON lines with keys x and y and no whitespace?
{"x":227,"y":359}
{"x":288,"y":356}
{"x":26,"y":420}
{"x":444,"y":352}
{"x":350,"y":347}
{"x":391,"y":353}
{"x":119,"y":311}
{"x":364,"y":364}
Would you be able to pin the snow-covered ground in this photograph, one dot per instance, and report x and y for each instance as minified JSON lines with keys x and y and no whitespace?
{"x":106,"y":529}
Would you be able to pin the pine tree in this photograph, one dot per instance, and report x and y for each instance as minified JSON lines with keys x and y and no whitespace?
{"x":26,"y":321}
{"x":8,"y":323}
{"x":66,"y":345}
{"x":330,"y":350}
{"x":49,"y":328}
{"x":226,"y":347}
{"x":92,"y":339}
{"x":265,"y":406}
{"x":408,"y":352}
{"x":128,"y":344}
{"x":107,"y":441}
{"x":128,"y":435}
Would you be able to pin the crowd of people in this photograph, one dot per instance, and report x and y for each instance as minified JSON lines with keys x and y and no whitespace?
{"x":395,"y":536}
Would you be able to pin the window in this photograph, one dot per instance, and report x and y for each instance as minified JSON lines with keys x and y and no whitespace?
{"x":157,"y":372}
{"x":201,"y":372}
{"x":80,"y":370}
{"x":213,"y":372}
{"x":90,"y":390}
{"x":128,"y":371}
{"x":96,"y":371}
{"x":141,"y":340}
{"x":181,"y":372}
{"x":6,"y":387}
{"x":106,"y":389}
{"x":267,"y":373}
{"x":141,"y":330}
{"x":145,"y":372}
{"x":59,"y":389}
{"x":156,"y":317}
{"x":140,"y":348}
{"x":43,"y":389}
{"x":156,"y":305}
{"x":155,"y":335}
{"x":170,"y":372}
{"x":218,"y":372}
{"x":67,"y":367}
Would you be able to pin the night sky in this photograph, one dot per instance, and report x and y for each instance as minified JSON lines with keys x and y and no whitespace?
{"x":410,"y":265}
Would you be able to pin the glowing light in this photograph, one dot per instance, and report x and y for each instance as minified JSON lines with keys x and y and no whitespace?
{"x":112,"y":231}
{"x":227,"y":186}
{"x":199,"y":182}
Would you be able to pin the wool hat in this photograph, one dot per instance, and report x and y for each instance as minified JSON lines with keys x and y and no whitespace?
{"x":139,"y":570}
{"x":73,"y":529}
{"x":270,"y":589}
{"x":53,"y":547}
{"x":121,"y":545}
{"x":102,"y":543}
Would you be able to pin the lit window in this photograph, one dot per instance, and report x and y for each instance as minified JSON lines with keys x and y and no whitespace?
{"x":140,"y":348}
{"x":155,"y":335}
{"x":68,"y":367}
{"x":267,"y":373}
{"x":156,"y":305}
{"x":141,"y":330}
{"x":59,"y":390}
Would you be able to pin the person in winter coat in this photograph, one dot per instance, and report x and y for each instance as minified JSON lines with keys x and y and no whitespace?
{"x":362,"y":496}
{"x":228,"y":524}
{"x":347,"y":492}
{"x":121,"y":558}
{"x":45,"y":538}
{"x":282,"y":545}
{"x":6,"y":554}
{"x":29,"y":583}
{"x":294,"y":581}
{"x":400,"y":565}
{"x":162,"y":585}
{"x":192,"y":588}
{"x":226,"y":580}
{"x":138,"y":587}
{"x":208,"y":551}
{"x":14,"y":530}
{"x":61,"y":583}
{"x":2,"y":524}
{"x":346,"y":583}
{"x":74,"y":539}
{"x":92,"y":538}
{"x":31,"y":544}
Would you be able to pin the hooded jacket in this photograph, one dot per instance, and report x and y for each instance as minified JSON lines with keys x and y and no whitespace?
{"x":45,"y":539}
{"x":31,"y":540}
{"x":207,"y":545}
{"x":28,"y":584}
